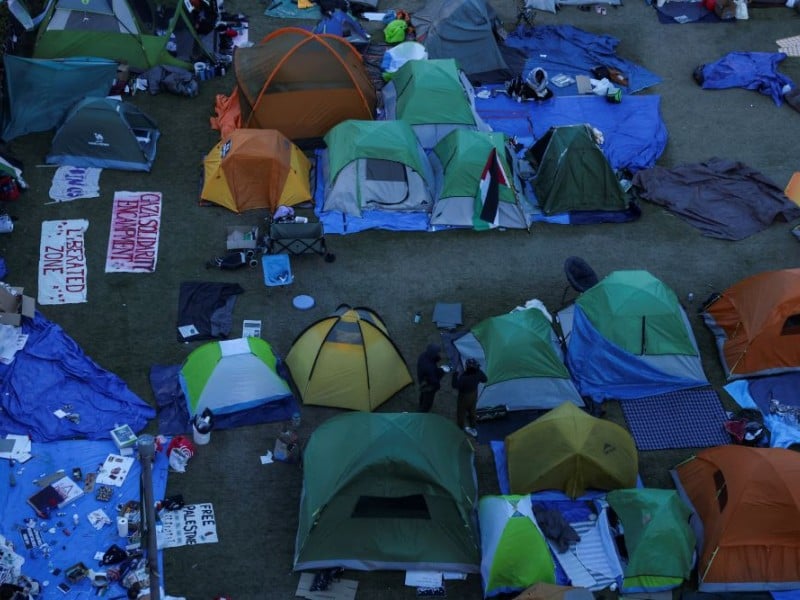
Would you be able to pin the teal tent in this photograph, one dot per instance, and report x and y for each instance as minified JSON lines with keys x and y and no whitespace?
{"x":107,"y":133}
{"x":522,"y":359}
{"x":514,"y":552}
{"x":38,"y":93}
{"x":388,"y":491}
{"x":658,"y":538}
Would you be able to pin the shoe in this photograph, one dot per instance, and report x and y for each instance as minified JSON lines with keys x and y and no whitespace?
{"x":471,"y":431}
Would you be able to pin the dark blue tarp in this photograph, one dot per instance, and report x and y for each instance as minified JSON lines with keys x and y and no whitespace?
{"x":52,"y":372}
{"x":750,"y":70}
{"x":572,"y":51}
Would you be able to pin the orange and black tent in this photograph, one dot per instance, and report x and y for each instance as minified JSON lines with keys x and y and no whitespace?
{"x":757,"y":324}
{"x":256,"y":168}
{"x":748,"y":500}
{"x":299,"y":83}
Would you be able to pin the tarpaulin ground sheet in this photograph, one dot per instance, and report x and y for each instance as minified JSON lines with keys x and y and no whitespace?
{"x":68,"y":544}
{"x":684,"y":419}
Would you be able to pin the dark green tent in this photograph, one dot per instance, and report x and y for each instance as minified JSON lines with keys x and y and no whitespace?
{"x":388,"y":491}
{"x":573,"y":174}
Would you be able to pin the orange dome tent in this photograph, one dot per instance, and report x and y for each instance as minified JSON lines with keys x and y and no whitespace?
{"x":757,"y":324}
{"x":299,"y":83}
{"x":748,"y":500}
{"x":256,"y":168}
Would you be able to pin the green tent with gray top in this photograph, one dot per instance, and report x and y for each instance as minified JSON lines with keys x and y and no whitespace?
{"x":122,"y":31}
{"x":388,"y":491}
{"x":467,"y":166}
{"x":375,"y":165}
{"x":521,"y":356}
{"x":573,"y":174}
{"x":434,"y":97}
{"x":658,"y":538}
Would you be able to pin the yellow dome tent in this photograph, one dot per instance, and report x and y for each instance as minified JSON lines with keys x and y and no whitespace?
{"x":567,"y":449}
{"x":256,"y":168}
{"x":347,"y":360}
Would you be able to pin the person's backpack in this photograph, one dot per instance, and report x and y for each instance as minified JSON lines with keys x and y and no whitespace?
{"x":9,"y":188}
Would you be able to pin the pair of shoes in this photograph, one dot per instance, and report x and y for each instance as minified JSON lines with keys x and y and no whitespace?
{"x":471,"y":431}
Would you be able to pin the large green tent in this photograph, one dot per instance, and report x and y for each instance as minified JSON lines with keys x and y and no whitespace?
{"x":466,"y":162}
{"x":388,"y":491}
{"x":573,"y":174}
{"x":120,"y":30}
{"x":659,"y":540}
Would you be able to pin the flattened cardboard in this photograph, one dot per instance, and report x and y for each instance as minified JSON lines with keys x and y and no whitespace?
{"x":14,"y":306}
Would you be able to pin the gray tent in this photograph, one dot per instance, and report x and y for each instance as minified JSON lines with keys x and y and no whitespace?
{"x":107,"y":133}
{"x":466,"y":30}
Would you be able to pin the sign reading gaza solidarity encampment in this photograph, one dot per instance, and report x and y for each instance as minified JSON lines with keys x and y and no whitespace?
{"x":190,"y":525}
{"x":62,"y":262}
{"x":133,"y":239}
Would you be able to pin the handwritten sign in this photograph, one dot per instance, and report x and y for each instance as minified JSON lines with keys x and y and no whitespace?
{"x":62,"y":262}
{"x":133,"y":238}
{"x":192,"y":524}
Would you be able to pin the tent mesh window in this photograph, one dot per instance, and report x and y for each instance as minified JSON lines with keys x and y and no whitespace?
{"x":722,"y":490}
{"x":402,"y":507}
{"x":791,"y":326}
{"x":345,"y":332}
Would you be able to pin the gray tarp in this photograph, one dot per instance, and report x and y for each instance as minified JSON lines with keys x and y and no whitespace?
{"x":725,"y":199}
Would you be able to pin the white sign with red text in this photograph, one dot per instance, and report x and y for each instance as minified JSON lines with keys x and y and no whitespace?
{"x":133,"y":238}
{"x":190,"y":525}
{"x":62,"y":262}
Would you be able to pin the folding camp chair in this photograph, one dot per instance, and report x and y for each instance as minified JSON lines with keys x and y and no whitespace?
{"x":297,"y":238}
{"x":580,"y":276}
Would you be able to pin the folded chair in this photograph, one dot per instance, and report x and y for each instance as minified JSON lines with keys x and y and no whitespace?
{"x":296,"y":238}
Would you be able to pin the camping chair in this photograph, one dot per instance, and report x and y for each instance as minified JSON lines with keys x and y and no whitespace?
{"x":580,"y":276}
{"x":296,"y":238}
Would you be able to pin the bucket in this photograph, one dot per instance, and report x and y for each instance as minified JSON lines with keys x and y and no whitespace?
{"x":201,"y":439}
{"x":200,"y":70}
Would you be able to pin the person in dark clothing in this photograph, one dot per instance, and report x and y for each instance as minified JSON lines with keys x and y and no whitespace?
{"x":429,"y":376}
{"x":467,"y":384}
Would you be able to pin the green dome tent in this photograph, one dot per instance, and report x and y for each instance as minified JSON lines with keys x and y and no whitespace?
{"x":388,"y":491}
{"x":476,"y":186}
{"x":658,"y":537}
{"x":514,"y":551}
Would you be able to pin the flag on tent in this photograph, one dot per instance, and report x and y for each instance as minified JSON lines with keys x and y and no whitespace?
{"x":492,"y":178}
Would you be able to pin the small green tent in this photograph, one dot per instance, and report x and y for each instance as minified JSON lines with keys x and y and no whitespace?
{"x":376,"y":165}
{"x":120,"y":30}
{"x":388,"y":491}
{"x":659,"y":540}
{"x":514,"y":551}
{"x":476,"y":186}
{"x":573,"y":174}
{"x":434,"y":97}
{"x":522,"y":360}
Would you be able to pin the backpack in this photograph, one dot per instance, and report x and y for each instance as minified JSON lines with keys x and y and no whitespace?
{"x":9,"y":188}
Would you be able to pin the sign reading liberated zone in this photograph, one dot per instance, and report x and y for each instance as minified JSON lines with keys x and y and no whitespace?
{"x":133,"y":238}
{"x":190,"y":525}
{"x":62,"y":262}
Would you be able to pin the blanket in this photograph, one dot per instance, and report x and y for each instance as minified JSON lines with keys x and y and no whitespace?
{"x":68,"y":543}
{"x":206,"y":308}
{"x":724,"y":199}
{"x":571,"y":51}
{"x":51,"y":373}
{"x":750,"y":70}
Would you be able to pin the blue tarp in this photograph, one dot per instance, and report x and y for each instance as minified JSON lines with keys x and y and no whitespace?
{"x":571,"y":51}
{"x":52,"y":372}
{"x":757,"y":393}
{"x":83,"y":541}
{"x":750,"y":70}
{"x":604,"y":371}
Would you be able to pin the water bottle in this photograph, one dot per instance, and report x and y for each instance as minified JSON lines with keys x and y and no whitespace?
{"x":690,"y":297}
{"x":296,"y":420}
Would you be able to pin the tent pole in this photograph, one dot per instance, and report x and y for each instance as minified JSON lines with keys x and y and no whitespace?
{"x":146,"y":445}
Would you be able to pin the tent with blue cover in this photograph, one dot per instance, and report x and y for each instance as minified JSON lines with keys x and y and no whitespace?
{"x":237,"y":380}
{"x":628,"y":337}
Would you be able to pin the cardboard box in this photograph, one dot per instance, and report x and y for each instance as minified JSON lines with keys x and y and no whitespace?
{"x":242,"y":237}
{"x":14,"y":305}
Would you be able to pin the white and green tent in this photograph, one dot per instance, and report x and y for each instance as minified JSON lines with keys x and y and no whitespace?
{"x":475,"y":184}
{"x":514,"y":553}
{"x":520,"y":354}
{"x":375,"y":165}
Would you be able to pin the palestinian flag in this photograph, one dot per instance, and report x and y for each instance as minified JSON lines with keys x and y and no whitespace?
{"x":492,"y":178}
